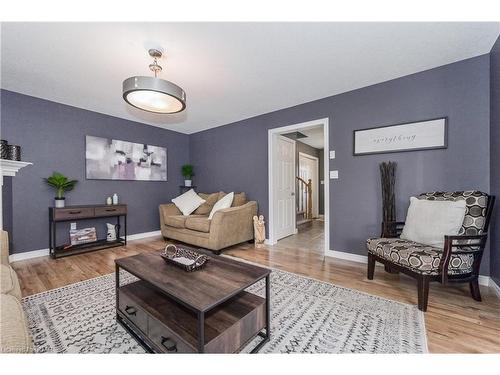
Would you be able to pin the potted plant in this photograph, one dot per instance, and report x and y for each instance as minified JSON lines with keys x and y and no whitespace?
{"x":187,"y":172}
{"x":61,"y":183}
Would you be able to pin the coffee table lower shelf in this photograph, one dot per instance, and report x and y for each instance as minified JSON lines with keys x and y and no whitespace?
{"x":162,"y":325}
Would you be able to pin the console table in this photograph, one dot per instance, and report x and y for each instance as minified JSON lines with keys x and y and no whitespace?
{"x":85,"y":212}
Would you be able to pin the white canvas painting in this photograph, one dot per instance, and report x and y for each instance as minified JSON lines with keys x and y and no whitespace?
{"x":112,"y":159}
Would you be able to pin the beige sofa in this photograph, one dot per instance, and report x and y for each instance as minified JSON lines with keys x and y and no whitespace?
{"x":227,"y":227}
{"x":14,"y":335}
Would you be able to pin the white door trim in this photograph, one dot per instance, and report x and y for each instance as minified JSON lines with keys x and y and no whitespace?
{"x":315,"y":208}
{"x":323,"y":121}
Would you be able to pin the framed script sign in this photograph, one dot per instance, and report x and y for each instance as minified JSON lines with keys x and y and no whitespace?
{"x":412,"y":136}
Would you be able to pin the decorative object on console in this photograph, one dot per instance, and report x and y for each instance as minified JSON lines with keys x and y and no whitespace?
{"x":115,"y":198}
{"x":109,"y":201}
{"x":112,"y":230}
{"x":153,"y":94}
{"x":61,"y":183}
{"x":259,"y":226}
{"x":82,"y":236}
{"x":187,"y":259}
{"x":188,"y":202}
{"x":187,"y":173}
{"x":4,"y":149}
{"x":411,"y":136}
{"x":388,"y":181}
{"x":14,"y":152}
{"x":111,"y":159}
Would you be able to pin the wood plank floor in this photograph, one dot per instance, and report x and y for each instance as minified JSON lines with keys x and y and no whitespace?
{"x":454,"y":321}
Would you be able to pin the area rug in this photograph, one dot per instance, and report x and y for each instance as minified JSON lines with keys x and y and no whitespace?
{"x":307,"y":316}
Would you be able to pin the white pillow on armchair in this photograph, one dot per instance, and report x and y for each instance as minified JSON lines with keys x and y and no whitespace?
{"x":428,"y":221}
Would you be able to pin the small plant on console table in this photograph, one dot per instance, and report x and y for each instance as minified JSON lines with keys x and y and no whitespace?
{"x":60,"y":183}
{"x":187,"y":173}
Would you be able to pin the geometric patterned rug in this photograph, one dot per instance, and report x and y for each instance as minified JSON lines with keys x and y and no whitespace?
{"x":307,"y":316}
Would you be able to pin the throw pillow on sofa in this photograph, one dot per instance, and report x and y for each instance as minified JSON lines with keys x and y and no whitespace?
{"x":427,"y":222}
{"x":210,"y":200}
{"x":222,"y":203}
{"x":188,"y":202}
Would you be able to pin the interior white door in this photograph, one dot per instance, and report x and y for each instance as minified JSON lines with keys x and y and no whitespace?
{"x":283,"y":186}
{"x":309,"y":169}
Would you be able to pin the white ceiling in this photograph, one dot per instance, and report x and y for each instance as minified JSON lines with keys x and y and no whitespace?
{"x":230,"y":71}
{"x":314,"y":138}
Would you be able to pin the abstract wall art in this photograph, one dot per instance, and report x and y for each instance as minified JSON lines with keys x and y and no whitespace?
{"x":112,"y":159}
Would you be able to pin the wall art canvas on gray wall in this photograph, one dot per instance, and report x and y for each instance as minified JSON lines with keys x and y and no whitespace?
{"x":112,"y":159}
{"x":412,"y":136}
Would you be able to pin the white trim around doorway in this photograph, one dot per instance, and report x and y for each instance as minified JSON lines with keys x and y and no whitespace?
{"x":323,"y":121}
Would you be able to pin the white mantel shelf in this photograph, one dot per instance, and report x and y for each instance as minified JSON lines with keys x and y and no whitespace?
{"x":11,"y":167}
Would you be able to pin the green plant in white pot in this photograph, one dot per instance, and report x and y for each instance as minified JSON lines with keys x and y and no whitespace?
{"x":60,"y":183}
{"x":188,"y":173}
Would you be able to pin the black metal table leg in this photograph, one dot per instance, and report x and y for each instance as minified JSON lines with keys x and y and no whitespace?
{"x":201,"y":332}
{"x":265,"y":336}
{"x":125,"y":229}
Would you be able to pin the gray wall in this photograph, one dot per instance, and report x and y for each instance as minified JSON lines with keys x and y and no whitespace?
{"x":495,"y":159}
{"x":52,"y":136}
{"x":309,"y":150}
{"x":234,"y":157}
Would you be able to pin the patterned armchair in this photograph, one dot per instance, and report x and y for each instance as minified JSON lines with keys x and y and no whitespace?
{"x":458,"y":261}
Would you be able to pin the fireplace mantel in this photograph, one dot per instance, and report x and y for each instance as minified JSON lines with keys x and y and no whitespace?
{"x":11,"y":167}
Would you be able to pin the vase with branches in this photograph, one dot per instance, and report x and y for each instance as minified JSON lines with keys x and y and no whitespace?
{"x":61,"y":184}
{"x":388,"y":181}
{"x":187,"y":171}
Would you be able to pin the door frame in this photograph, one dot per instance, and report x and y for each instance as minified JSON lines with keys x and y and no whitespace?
{"x":270,"y":166}
{"x":315,"y":207}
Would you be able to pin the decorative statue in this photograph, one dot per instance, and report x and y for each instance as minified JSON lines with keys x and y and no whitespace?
{"x":259,"y":230}
{"x":111,"y":232}
{"x":388,"y":181}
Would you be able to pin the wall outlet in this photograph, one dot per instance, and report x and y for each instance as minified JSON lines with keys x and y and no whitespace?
{"x":73,"y":226}
{"x":332,"y":154}
{"x":334,"y":175}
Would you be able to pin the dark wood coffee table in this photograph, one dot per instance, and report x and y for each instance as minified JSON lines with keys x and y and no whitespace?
{"x":170,"y":310}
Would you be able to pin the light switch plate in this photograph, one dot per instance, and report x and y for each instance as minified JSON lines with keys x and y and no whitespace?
{"x":332,"y":154}
{"x":334,"y":175}
{"x":73,"y":226}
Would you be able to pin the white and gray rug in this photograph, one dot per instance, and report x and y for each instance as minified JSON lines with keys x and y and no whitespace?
{"x":307,"y":316}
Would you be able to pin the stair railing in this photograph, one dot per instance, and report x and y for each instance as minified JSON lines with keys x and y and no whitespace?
{"x":307,"y":188}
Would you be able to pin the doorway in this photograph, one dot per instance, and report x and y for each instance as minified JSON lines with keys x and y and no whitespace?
{"x":298,"y":184}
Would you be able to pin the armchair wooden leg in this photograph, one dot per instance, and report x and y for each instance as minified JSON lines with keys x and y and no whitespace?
{"x":474,"y":290}
{"x":371,"y":266}
{"x":423,"y":292}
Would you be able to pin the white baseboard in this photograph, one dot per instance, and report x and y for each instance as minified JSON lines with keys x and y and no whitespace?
{"x":483,"y":280}
{"x":495,"y":287}
{"x":28,"y":255}
{"x":139,"y":236}
{"x":45,"y":252}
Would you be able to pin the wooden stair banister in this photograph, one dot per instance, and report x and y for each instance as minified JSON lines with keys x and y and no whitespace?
{"x":308,"y":185}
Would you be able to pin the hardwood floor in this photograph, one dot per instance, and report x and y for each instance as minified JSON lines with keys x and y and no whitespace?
{"x":454,"y":321}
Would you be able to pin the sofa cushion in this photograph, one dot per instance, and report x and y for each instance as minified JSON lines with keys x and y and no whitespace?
{"x":15,"y":337}
{"x":222,"y":204}
{"x":188,"y":202}
{"x":239,"y":199}
{"x":9,"y":283}
{"x":428,"y":221}
{"x":200,"y":224}
{"x":418,"y":257}
{"x":176,"y":221}
{"x":210,"y":200}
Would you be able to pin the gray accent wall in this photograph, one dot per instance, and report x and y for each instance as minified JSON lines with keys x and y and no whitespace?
{"x":495,"y":160}
{"x":234,"y":157}
{"x":52,"y":136}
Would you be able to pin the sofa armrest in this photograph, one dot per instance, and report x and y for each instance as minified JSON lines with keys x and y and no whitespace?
{"x":234,"y":221}
{"x":4,"y":247}
{"x":168,"y":209}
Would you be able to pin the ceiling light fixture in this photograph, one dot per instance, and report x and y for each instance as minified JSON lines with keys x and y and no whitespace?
{"x":153,"y":94}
